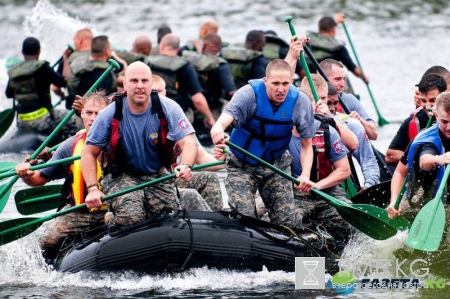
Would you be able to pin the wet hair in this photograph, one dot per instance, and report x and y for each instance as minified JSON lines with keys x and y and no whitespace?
{"x":430,"y":82}
{"x":99,"y":44}
{"x":98,"y":97}
{"x":441,"y":71}
{"x":443,"y":102}
{"x":327,"y":64}
{"x":278,"y":65}
{"x":31,"y":46}
{"x":331,"y":89}
{"x":326,"y":24}
{"x":162,"y":31}
{"x":318,"y":81}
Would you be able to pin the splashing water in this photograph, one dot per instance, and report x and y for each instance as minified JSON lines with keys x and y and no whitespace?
{"x":53,"y":27}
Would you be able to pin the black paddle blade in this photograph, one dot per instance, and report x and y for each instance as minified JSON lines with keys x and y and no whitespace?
{"x":378,"y":195}
{"x":15,"y":229}
{"x":37,"y":200}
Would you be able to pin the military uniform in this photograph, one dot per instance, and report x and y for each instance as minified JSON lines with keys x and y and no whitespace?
{"x":245,"y":64}
{"x":208,"y":186}
{"x":29,"y":85}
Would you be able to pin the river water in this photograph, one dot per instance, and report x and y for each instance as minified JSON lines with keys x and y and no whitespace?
{"x":396,"y":42}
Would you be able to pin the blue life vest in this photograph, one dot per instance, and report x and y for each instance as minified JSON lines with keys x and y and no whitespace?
{"x":430,"y":135}
{"x":268,"y":133}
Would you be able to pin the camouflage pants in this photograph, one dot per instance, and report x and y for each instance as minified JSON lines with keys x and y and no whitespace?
{"x":135,"y":206}
{"x":64,"y":225}
{"x":208,"y":186}
{"x":276,"y":191}
{"x":319,"y":214}
{"x":190,"y":199}
{"x":47,"y":123}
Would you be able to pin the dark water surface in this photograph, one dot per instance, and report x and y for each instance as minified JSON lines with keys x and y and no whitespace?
{"x":396,"y":42}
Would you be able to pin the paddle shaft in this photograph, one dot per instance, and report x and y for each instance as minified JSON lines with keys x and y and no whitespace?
{"x":113,"y":64}
{"x":381,"y":121}
{"x":40,"y":166}
{"x":285,"y":175}
{"x":24,"y":226}
{"x":436,"y":203}
{"x":311,"y":84}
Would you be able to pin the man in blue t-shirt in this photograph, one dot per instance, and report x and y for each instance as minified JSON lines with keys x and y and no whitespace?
{"x":263,"y":113}
{"x":139,"y":153}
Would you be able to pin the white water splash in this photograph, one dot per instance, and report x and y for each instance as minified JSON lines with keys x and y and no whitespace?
{"x":53,"y":27}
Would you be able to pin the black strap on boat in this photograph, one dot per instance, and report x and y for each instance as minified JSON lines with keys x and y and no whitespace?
{"x":191,"y":236}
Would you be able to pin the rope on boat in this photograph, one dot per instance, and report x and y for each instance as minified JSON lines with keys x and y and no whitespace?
{"x":191,"y":236}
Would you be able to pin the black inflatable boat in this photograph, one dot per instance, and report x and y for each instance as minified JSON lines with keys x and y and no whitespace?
{"x":182,"y":239}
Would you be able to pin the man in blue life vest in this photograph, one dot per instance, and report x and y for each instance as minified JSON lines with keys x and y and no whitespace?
{"x":74,"y":189}
{"x":139,"y":129}
{"x":430,"y":86}
{"x":263,"y":113}
{"x":424,"y":163}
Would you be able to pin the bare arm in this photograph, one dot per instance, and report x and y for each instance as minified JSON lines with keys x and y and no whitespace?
{"x":188,"y":147}
{"x":29,"y":177}
{"x":430,"y":162}
{"x":306,"y":157}
{"x":89,"y":167}
{"x":358,"y":73}
{"x":348,"y":137}
{"x":369,"y":126}
{"x":396,"y":185}
{"x":393,"y":156}
{"x":204,"y":157}
{"x":218,"y":130}
{"x":340,"y":173}
{"x":201,"y":105}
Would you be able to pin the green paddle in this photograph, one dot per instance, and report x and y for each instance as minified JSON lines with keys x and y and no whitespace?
{"x":347,"y":184}
{"x":363,"y":217}
{"x":15,"y":229}
{"x":37,"y":200}
{"x":6,"y":119}
{"x":5,"y":189}
{"x":428,"y":226}
{"x":381,"y":120}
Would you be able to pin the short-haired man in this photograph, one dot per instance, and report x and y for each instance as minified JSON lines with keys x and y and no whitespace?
{"x":424,"y":162}
{"x":181,"y":79}
{"x":324,"y":45}
{"x":140,"y":149}
{"x":430,"y":86}
{"x":74,"y":189}
{"x":29,"y":85}
{"x":264,"y":112}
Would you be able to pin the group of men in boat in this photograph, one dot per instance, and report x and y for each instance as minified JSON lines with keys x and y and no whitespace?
{"x":149,"y":125}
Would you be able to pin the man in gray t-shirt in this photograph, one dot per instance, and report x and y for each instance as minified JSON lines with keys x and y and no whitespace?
{"x":140,"y":157}
{"x":263,"y":114}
